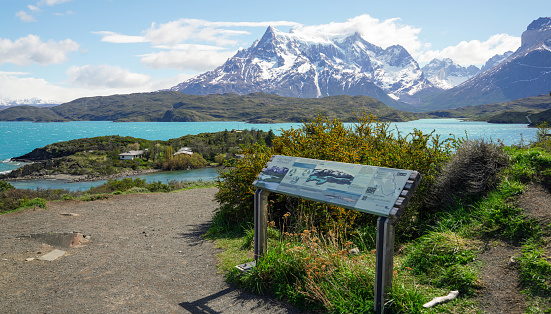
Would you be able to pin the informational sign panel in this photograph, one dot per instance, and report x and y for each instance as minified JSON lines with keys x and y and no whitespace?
{"x":364,"y":188}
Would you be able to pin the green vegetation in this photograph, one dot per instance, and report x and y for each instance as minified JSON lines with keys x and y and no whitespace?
{"x":321,"y":258}
{"x":99,"y":156}
{"x":167,"y":106}
{"x":367,"y":142}
{"x":537,"y":109}
{"x":12,"y":199}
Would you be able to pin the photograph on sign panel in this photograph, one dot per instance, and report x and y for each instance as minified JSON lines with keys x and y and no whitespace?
{"x":341,"y":198}
{"x":271,"y":177}
{"x":331,"y":178}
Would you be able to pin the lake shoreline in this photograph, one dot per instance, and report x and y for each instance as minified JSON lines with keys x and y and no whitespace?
{"x":83,"y":178}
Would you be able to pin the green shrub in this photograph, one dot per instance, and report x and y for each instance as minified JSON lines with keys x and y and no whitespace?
{"x":135,"y":190}
{"x":543,"y":140}
{"x":367,"y":141}
{"x":158,"y":186}
{"x":30,"y":203}
{"x":124,"y":184}
{"x":219,"y":159}
{"x":94,"y":197}
{"x":184,"y":161}
{"x":4,"y":186}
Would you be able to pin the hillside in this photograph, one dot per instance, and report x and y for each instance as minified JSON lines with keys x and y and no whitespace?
{"x":514,"y":111}
{"x":170,"y":106}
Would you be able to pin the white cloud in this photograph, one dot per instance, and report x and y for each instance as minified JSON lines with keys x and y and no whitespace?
{"x":186,"y":39}
{"x":474,"y":52}
{"x":183,"y":30}
{"x":191,"y":59}
{"x":29,"y":17}
{"x":385,"y":33}
{"x":25,"y":17}
{"x":14,"y":87}
{"x":33,"y":8}
{"x":30,"y":49}
{"x":13,"y":73}
{"x":112,"y":37}
{"x":105,"y":76}
{"x":69,"y":12}
{"x":381,"y":33}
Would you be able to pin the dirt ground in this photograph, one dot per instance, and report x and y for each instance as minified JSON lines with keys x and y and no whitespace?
{"x":502,"y":288}
{"x":140,"y":253}
{"x":144,"y":253}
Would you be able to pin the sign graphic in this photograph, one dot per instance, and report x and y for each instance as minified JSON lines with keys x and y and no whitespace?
{"x":360,"y":187}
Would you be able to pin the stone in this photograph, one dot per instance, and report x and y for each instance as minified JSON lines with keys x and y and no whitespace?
{"x":63,"y":240}
{"x":53,"y":255}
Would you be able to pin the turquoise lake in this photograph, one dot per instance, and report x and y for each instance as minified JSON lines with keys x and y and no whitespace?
{"x":18,"y":138}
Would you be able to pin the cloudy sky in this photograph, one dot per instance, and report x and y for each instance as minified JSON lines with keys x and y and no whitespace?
{"x":65,"y":49}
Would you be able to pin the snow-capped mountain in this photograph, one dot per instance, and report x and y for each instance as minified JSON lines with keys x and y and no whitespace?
{"x":446,"y":74}
{"x":7,"y":102}
{"x":297,"y":65}
{"x":495,"y":60}
{"x":525,"y":73}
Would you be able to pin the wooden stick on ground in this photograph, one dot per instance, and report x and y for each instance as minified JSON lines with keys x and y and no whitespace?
{"x":452,"y":295}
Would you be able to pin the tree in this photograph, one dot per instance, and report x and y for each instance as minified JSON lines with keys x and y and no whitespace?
{"x":219,"y":159}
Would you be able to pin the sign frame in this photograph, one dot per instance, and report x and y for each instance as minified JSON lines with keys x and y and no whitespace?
{"x":351,"y":186}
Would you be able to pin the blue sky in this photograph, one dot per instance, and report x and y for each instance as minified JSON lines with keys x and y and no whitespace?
{"x":64,"y":49}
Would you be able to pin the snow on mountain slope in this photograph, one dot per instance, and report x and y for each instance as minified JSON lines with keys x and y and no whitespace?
{"x":300,"y":65}
{"x":7,"y":102}
{"x":525,"y":73}
{"x":446,"y":74}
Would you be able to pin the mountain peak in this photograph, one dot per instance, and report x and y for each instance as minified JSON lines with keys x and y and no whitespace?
{"x":311,"y":65}
{"x":541,"y":23}
{"x":446,"y":74}
{"x":537,"y":32}
{"x":269,"y":33}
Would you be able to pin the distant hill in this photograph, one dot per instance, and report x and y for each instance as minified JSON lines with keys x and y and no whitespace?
{"x":170,"y":106}
{"x":514,"y":111}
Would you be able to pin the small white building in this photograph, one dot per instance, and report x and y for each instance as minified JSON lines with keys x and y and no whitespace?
{"x":184,"y":150}
{"x":130,"y":155}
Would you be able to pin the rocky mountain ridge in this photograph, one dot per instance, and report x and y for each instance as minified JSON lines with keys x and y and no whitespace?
{"x":446,"y":74}
{"x":295,"y":65}
{"x":522,"y":74}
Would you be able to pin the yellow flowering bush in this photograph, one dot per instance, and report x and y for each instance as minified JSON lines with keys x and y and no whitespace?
{"x":366,"y":141}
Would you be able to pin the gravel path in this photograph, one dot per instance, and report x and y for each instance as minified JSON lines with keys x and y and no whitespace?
{"x":145,"y":254}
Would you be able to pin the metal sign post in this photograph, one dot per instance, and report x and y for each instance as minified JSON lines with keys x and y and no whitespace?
{"x":384,"y":262}
{"x":260,"y":222}
{"x":376,"y":190}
